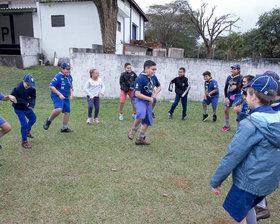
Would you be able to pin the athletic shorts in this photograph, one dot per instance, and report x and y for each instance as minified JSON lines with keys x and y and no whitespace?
{"x":124,"y":94}
{"x":213,"y":100}
{"x":233,"y":99}
{"x":2,"y":120}
{"x":239,"y":202}
{"x":144,"y":111}
{"x":59,"y":103}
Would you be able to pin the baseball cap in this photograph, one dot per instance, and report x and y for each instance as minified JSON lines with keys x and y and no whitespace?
{"x":272,"y":74}
{"x":235,"y":66}
{"x":65,"y":65}
{"x":263,"y":83}
{"x":29,"y":79}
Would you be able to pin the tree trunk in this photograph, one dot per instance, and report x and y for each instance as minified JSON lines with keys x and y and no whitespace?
{"x":208,"y":52}
{"x":108,"y":12}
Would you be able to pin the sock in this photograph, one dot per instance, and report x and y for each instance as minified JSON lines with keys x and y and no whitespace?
{"x":135,"y":125}
{"x":141,"y":134}
{"x":227,"y":121}
{"x":134,"y":113}
{"x":215,"y":112}
{"x":251,"y":216}
{"x":51,"y":118}
{"x":64,"y":125}
{"x":121,"y":112}
{"x":204,"y":110}
{"x":1,"y":134}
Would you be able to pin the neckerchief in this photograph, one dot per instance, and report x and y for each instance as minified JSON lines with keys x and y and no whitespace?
{"x":207,"y":85}
{"x":66,"y":77}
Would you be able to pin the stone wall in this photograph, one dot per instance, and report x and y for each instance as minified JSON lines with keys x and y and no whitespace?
{"x":110,"y":67}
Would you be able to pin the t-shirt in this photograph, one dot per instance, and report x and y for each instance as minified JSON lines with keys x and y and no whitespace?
{"x":62,"y":83}
{"x":231,"y":81}
{"x":210,"y":86}
{"x":1,"y":96}
{"x":145,"y":84}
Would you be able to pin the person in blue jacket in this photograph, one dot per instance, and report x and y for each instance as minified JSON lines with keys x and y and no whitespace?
{"x":61,"y":94}
{"x":253,"y":156}
{"x":25,"y":93}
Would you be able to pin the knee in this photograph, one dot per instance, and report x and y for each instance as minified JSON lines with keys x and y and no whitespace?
{"x":58,"y":110}
{"x":7,"y":127}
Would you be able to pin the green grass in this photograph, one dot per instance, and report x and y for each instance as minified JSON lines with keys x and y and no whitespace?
{"x":68,"y":178}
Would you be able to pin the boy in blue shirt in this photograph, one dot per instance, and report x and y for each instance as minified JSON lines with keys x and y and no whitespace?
{"x":253,"y":155}
{"x":61,"y":94}
{"x":182,"y":88}
{"x":25,"y":93}
{"x":232,"y":93}
{"x":144,"y":96}
{"x":211,"y":95}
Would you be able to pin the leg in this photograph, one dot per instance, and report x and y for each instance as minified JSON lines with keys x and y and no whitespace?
{"x":122,"y":100}
{"x":174,"y":105}
{"x":227,"y":125}
{"x":251,"y":217}
{"x":130,"y":94}
{"x":23,"y":123}
{"x":31,"y":118}
{"x":65,"y":117}
{"x":96,"y":106}
{"x":5,"y":128}
{"x":184,"y":101}
{"x":90,"y":106}
{"x":121,"y":108}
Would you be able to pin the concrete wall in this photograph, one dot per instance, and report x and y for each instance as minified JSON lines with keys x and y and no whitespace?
{"x":30,"y":48}
{"x":111,"y":66}
{"x":11,"y":61}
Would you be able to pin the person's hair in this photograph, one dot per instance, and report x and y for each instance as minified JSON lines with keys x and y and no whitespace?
{"x":183,"y":69}
{"x":149,"y":64}
{"x":91,"y":71}
{"x":126,"y":64}
{"x":248,"y":77}
{"x":264,"y":99}
{"x":278,"y":89}
{"x":207,"y":73}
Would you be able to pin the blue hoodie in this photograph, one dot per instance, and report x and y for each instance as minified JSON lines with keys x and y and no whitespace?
{"x":253,"y":156}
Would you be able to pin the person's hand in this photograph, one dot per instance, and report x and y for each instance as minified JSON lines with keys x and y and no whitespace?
{"x":227,"y":101}
{"x":232,"y":88}
{"x":209,"y":95}
{"x":91,"y":99}
{"x":62,"y":97}
{"x":154,"y":96}
{"x":27,"y":105}
{"x":12,"y":98}
{"x":216,"y":190}
{"x":151,"y":100}
{"x":102,"y":94}
{"x":205,"y":98}
{"x":30,"y":107}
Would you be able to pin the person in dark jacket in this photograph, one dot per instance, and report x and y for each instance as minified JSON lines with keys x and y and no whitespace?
{"x":127,"y":80}
{"x":26,"y":97}
{"x":182,"y":88}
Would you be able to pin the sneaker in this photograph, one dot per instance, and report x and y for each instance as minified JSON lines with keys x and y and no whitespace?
{"x":225,"y":128}
{"x":1,"y":165}
{"x":66,"y":130}
{"x":134,"y":116}
{"x":131,"y":133}
{"x":170,"y":115}
{"x":183,"y":118}
{"x":142,"y":141}
{"x":47,"y":124}
{"x":262,"y":213}
{"x":88,"y":120}
{"x":29,"y":135}
{"x":205,"y":117}
{"x":26,"y":145}
{"x":121,"y":117}
{"x":214,"y":118}
{"x":0,"y":146}
{"x":95,"y":120}
{"x":154,"y":116}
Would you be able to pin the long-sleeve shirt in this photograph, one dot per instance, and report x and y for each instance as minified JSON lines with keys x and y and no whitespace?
{"x":94,"y":88}
{"x":127,"y":80}
{"x":182,"y":85}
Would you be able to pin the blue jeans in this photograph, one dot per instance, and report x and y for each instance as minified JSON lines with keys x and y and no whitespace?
{"x":91,"y":103}
{"x":26,"y":127}
{"x":184,"y":101}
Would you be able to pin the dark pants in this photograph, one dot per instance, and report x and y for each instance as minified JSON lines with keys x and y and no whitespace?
{"x":184,"y":101}
{"x":94,"y":102}
{"x":25,"y":127}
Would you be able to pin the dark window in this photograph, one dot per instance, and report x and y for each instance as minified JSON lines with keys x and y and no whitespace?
{"x":58,"y":21}
{"x":2,"y":6}
{"x":119,"y":26}
{"x":134,"y":32}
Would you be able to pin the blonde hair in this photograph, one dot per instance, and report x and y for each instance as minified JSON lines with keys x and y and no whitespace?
{"x":91,"y":71}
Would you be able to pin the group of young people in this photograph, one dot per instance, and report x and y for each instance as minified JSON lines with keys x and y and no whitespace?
{"x":253,"y":156}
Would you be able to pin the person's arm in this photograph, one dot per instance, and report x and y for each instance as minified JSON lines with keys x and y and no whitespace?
{"x":102,"y":89}
{"x":32,"y":100}
{"x":122,"y":83}
{"x":86,"y":89}
{"x":54,"y":90}
{"x":212,"y":92}
{"x":9,"y":97}
{"x":132,"y":80}
{"x":139,"y":95}
{"x":226,"y":89}
{"x":71,"y":95}
{"x":188,"y":88}
{"x":18,"y":98}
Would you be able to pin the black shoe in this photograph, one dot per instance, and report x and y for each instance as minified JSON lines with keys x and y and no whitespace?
{"x":66,"y":130}
{"x":47,"y":124}
{"x":0,"y":146}
{"x":214,"y":118}
{"x":154,"y":116}
{"x":26,"y":145}
{"x":170,"y":115}
{"x":29,"y":135}
{"x":183,"y":118}
{"x":205,"y":117}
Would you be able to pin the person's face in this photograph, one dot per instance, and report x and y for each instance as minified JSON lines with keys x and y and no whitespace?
{"x":181,"y":73}
{"x":234,"y":71}
{"x":251,"y":100}
{"x":95,"y":74}
{"x":207,"y":78}
{"x":150,"y":71}
{"x":25,"y":85}
{"x":66,"y":71}
{"x":245,"y":81}
{"x":128,"y":69}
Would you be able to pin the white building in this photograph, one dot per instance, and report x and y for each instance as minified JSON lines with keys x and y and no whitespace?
{"x":63,"y":24}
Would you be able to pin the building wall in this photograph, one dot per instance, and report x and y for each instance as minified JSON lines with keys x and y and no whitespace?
{"x":81,"y":30}
{"x":30,"y":48}
{"x":21,"y":3}
{"x":111,"y":66}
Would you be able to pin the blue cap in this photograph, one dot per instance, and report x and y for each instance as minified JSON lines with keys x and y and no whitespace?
{"x":263,"y":83}
{"x":272,"y":74}
{"x":236,"y":66}
{"x":65,"y":65}
{"x":29,"y":79}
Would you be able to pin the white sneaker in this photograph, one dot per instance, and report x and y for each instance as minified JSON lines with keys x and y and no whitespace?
{"x":134,"y":116}
{"x":88,"y":120}
{"x":121,"y":117}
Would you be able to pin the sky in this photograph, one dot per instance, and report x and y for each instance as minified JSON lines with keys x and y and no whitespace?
{"x":248,"y":10}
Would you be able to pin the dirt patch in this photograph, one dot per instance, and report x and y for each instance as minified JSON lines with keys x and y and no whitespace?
{"x":160,"y":133}
{"x":178,"y":182}
{"x":224,"y":221}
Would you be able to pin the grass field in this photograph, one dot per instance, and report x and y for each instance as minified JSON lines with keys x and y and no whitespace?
{"x":68,"y":178}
